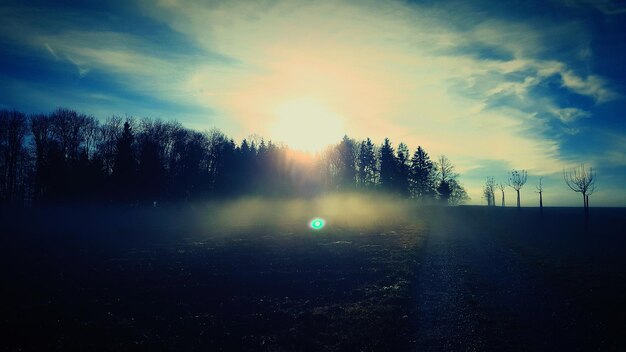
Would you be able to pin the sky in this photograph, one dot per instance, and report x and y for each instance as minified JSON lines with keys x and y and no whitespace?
{"x":495,"y":86}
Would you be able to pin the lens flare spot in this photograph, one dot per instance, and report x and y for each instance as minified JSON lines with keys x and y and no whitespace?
{"x":317,"y":224}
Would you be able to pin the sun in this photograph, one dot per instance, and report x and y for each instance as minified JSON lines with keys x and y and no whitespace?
{"x":306,"y":124}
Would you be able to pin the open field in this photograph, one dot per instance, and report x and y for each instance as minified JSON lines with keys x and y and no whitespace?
{"x":466,"y":278}
{"x":507,"y":279}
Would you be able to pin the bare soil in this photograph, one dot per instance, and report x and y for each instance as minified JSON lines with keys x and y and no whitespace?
{"x":450,"y":279}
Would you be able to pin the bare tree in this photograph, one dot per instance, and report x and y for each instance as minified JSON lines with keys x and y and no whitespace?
{"x":501,"y":187}
{"x":445,"y":169}
{"x":108,"y":135}
{"x":13,"y":155}
{"x":581,"y":181}
{"x":448,"y":187}
{"x":517,"y":180}
{"x":589,"y":192}
{"x":540,"y":191}
{"x":489,"y":191}
{"x":444,"y":172}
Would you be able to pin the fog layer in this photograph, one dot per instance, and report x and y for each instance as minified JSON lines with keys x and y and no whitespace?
{"x":339,"y":210}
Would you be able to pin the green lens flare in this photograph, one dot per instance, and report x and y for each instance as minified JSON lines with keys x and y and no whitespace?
{"x":317,"y":224}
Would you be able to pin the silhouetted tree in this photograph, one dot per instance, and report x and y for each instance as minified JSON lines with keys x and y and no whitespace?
{"x":223,"y":163}
{"x":501,"y":187}
{"x":445,"y":191}
{"x":106,"y":146}
{"x":540,"y":191}
{"x":366,"y":165}
{"x":193,"y":166}
{"x":42,"y":137}
{"x":65,"y":149}
{"x":125,"y":165}
{"x":244,"y":166}
{"x":13,"y":155}
{"x":154,"y":141}
{"x":449,"y":189}
{"x":489,"y":191}
{"x":403,"y":170}
{"x":445,"y":173}
{"x":517,"y":180}
{"x":332,"y":168}
{"x":589,"y":192}
{"x":458,"y":195}
{"x":581,"y":181}
{"x":261,"y":168}
{"x":422,"y":175}
{"x":445,"y":169}
{"x":388,"y":167}
{"x":346,"y":163}
{"x":69,"y":127}
{"x":278,"y":169}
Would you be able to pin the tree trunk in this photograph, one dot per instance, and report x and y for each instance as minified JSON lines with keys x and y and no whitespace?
{"x":503,"y":199}
{"x":586,"y":204}
{"x":541,"y":201}
{"x":518,"y":202}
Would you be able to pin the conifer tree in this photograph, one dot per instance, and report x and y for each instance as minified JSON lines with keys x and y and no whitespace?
{"x":388,"y":168}
{"x":403,"y":169}
{"x":346,"y":163}
{"x":366,"y":165}
{"x":422,"y":175}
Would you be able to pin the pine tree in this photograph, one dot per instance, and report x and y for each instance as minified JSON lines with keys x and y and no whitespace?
{"x":422,"y":175}
{"x":388,"y":168}
{"x":366,"y":165}
{"x":403,"y":169}
{"x":346,"y":167}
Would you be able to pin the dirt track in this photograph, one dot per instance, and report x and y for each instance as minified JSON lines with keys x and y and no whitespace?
{"x":478,"y":289}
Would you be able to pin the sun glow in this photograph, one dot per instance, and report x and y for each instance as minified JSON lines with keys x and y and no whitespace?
{"x":306,"y":124}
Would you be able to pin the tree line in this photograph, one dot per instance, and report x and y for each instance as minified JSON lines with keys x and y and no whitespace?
{"x":579,"y":180}
{"x":67,"y":156}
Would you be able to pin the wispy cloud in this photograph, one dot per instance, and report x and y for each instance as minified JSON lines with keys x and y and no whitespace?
{"x":51,"y":51}
{"x":455,"y":81}
{"x":569,"y":115}
{"x":591,"y":85}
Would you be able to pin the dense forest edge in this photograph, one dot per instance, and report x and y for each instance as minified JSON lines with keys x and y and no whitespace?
{"x":69,"y":157}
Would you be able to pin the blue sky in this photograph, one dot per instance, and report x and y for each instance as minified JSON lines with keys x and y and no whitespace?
{"x":536,"y":85}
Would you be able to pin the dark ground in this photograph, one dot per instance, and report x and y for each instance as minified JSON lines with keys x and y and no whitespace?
{"x":467,"y":278}
{"x":503,"y":279}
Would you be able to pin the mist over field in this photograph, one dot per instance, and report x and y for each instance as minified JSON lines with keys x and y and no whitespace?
{"x":348,"y":210}
{"x":345,"y":211}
